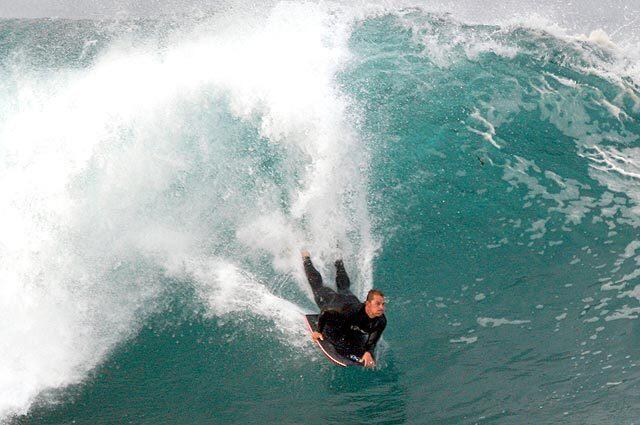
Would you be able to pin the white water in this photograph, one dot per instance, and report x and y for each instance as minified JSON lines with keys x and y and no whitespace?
{"x":92,"y":222}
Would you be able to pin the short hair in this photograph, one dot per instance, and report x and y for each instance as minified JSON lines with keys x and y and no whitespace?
{"x":372,"y":293}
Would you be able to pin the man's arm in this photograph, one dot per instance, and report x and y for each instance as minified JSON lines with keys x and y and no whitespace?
{"x":370,"y":345}
{"x":330,"y":316}
{"x":374,"y":336}
{"x":326,"y":316}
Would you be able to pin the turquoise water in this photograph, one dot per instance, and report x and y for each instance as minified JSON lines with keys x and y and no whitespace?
{"x":158,"y":180}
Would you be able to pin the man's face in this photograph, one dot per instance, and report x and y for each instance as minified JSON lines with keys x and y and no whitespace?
{"x":375,"y":307}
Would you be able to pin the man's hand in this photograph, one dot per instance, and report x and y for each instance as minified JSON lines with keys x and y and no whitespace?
{"x":367,"y":360}
{"x":305,"y":254}
{"x":315,"y":336}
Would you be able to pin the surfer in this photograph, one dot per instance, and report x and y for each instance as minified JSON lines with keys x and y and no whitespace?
{"x":353,"y":327}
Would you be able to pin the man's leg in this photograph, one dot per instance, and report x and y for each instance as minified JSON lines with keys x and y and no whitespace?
{"x":323,"y":295}
{"x":342,"y":279}
{"x":343,"y":283}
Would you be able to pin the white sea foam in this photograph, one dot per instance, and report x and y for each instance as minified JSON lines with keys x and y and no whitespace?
{"x":92,"y":220}
{"x":625,"y":312}
{"x":599,"y":37}
{"x":564,"y":81}
{"x":464,"y":340}
{"x":227,"y":289}
{"x":567,"y":196}
{"x":490,"y":129}
{"x":618,"y":170}
{"x":495,"y":322}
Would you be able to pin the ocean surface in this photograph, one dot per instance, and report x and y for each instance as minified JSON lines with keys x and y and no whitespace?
{"x":159,"y":177}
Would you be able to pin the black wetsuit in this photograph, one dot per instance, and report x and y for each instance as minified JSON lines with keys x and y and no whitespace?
{"x":343,"y":319}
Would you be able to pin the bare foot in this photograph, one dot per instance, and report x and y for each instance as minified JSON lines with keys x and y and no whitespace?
{"x":305,"y":254}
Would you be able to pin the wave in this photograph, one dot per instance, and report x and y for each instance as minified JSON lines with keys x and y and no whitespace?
{"x":210,"y":155}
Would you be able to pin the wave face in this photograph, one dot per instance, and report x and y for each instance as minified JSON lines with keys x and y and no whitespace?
{"x":158,"y":178}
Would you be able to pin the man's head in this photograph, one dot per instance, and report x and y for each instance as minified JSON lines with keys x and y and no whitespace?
{"x":374,"y":305}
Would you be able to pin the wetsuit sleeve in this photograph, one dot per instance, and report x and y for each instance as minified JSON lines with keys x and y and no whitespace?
{"x":331,"y":316}
{"x":374,"y":336}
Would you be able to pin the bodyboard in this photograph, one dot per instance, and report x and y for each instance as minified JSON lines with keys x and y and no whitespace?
{"x":327,"y":347}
